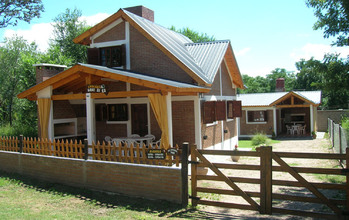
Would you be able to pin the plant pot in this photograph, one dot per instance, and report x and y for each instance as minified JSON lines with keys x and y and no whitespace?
{"x":235,"y":158}
{"x":201,"y":170}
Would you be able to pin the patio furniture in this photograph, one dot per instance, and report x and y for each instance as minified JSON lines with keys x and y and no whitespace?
{"x":108,"y":139}
{"x":295,"y":129}
{"x":302,"y":129}
{"x":289,"y":129}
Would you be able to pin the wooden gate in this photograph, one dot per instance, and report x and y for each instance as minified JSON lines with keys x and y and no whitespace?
{"x":266,"y":200}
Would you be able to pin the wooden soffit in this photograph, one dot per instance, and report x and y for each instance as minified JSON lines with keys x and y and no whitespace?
{"x":72,"y":84}
{"x":233,"y":68}
{"x":292,"y":104}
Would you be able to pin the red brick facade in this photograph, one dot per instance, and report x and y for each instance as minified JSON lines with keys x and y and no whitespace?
{"x":151,"y":182}
{"x":253,"y":128}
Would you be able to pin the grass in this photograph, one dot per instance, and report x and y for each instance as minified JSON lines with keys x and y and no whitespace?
{"x":25,"y":198}
{"x":248,"y":143}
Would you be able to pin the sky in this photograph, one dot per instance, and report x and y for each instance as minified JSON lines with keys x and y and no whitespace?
{"x":264,"y":35}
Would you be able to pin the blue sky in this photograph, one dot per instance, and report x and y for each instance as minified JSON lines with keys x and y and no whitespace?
{"x":264,"y":35}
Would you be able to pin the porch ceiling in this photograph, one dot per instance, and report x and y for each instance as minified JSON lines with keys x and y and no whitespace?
{"x":292,"y":100}
{"x":72,"y":84}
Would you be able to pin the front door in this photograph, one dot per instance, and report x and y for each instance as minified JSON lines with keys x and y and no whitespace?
{"x":139,"y":119}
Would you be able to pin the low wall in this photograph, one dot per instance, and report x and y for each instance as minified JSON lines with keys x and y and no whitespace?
{"x":150,"y":182}
{"x":335,"y":115}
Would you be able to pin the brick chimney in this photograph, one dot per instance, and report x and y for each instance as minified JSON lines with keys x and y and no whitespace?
{"x":45,"y":71}
{"x":280,"y":85}
{"x":142,"y":12}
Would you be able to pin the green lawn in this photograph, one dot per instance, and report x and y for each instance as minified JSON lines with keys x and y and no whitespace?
{"x":24,"y":198}
{"x":248,"y":143}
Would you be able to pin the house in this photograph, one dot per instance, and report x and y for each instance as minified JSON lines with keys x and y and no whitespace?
{"x":273,"y":113}
{"x":141,"y":78}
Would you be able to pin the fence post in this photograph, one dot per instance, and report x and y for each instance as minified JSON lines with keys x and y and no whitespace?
{"x":347,"y":178}
{"x":85,"y":149}
{"x":332,"y":132}
{"x":341,"y":151}
{"x":266,"y":179}
{"x":185,"y":148}
{"x":193,"y":161}
{"x":21,"y":143}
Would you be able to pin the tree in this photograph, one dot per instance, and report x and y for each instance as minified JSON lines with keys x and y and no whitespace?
{"x":308,"y":76}
{"x":281,"y":73}
{"x":333,"y":18}
{"x":17,"y":74}
{"x":196,"y":37}
{"x":256,"y":84}
{"x":67,"y":26}
{"x":11,"y":11}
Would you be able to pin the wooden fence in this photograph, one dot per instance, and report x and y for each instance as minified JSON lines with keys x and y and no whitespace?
{"x":262,"y":197}
{"x":97,"y":151}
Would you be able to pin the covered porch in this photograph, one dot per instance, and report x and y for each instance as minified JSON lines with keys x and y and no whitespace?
{"x":94,"y":102}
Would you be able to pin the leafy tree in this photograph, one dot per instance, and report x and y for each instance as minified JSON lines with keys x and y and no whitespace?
{"x":196,"y":37}
{"x":281,"y":73}
{"x":256,"y":84}
{"x":17,"y":74}
{"x":308,"y":76}
{"x":67,"y":26}
{"x":333,"y":18}
{"x":11,"y":11}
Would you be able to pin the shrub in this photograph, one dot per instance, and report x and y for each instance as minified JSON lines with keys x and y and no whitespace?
{"x":260,"y":139}
{"x":16,"y":130}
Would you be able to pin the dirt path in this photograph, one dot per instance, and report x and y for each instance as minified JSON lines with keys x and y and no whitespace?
{"x":318,"y":145}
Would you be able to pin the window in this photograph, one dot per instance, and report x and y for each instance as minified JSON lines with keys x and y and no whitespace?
{"x":256,"y":116}
{"x":117,"y":112}
{"x":111,"y":56}
{"x":107,"y":56}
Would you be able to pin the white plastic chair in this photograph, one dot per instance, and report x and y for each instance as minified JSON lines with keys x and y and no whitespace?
{"x":289,"y":129}
{"x":108,"y":139}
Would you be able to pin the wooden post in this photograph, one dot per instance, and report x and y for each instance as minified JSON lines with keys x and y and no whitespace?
{"x":347,"y":179}
{"x":21,"y":143}
{"x":85,"y":149}
{"x":266,"y":180}
{"x":193,"y":160}
{"x":185,"y":148}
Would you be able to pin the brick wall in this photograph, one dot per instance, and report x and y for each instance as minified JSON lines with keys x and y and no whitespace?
{"x":147,"y":58}
{"x":335,"y":115}
{"x":226,"y":83}
{"x":251,"y":129}
{"x":183,"y":122}
{"x":114,"y":34}
{"x":150,"y":182}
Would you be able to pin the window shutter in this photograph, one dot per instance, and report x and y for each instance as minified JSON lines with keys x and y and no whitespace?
{"x":250,"y":116}
{"x":93,"y":56}
{"x":230,"y":113}
{"x":265,"y":115}
{"x":209,"y":112}
{"x":221,"y":111}
{"x":237,"y":112}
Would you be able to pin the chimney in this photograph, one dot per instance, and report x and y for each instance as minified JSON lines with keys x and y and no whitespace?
{"x":45,"y":71}
{"x":280,"y":85}
{"x":142,"y":12}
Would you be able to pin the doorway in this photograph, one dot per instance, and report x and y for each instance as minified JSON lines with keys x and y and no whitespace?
{"x":139,"y":114}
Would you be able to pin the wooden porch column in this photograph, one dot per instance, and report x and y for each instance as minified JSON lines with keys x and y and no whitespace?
{"x":311,"y":119}
{"x":90,"y":119}
{"x":275,"y":121}
{"x":169,"y":118}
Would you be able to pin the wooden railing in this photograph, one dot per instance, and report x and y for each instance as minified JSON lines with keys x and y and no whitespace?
{"x":97,"y":151}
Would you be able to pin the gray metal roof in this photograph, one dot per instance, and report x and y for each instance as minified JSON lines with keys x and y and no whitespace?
{"x":209,"y":55}
{"x":265,"y":99}
{"x":143,"y":77}
{"x":203,"y":65}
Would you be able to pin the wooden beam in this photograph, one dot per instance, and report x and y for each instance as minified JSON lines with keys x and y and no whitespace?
{"x":65,"y":81}
{"x":292,"y":100}
{"x":68,"y":96}
{"x":292,"y":106}
{"x":124,"y":94}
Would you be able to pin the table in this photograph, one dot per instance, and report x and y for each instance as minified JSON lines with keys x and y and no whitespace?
{"x":132,"y":140}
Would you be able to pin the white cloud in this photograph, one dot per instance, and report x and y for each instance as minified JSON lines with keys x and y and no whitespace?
{"x":243,"y":51}
{"x":41,"y":33}
{"x":317,"y":51}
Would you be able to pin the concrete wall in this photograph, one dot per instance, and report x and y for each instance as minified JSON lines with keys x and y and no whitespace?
{"x":335,"y":115}
{"x":150,"y":182}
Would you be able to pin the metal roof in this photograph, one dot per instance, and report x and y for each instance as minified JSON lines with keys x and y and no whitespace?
{"x":209,"y":55}
{"x":203,"y":65}
{"x":143,"y":77}
{"x":265,"y":99}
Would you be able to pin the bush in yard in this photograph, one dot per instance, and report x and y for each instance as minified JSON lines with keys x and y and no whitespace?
{"x":260,"y":139}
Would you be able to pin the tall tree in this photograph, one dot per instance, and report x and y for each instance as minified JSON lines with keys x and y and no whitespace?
{"x":16,"y":74}
{"x":333,"y":18}
{"x":195,"y":36}
{"x":11,"y":11}
{"x":67,"y":26}
{"x":308,"y":77}
{"x":281,"y":73}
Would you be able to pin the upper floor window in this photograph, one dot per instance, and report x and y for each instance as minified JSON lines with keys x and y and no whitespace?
{"x":107,"y":56}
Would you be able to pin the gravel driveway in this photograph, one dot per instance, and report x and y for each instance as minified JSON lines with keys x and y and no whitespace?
{"x":319,"y":145}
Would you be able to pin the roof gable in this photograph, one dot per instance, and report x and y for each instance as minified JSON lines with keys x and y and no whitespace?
{"x":176,"y":46}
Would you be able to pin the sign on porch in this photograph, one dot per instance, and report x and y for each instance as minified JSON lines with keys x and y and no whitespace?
{"x":97,"y":89}
{"x":158,"y":154}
